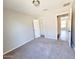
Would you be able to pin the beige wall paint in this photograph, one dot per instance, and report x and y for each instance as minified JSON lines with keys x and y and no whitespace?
{"x":48,"y":25}
{"x":18,"y":29}
{"x":48,"y":21}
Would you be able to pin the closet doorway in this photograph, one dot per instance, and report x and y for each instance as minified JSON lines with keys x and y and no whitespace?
{"x":36,"y":28}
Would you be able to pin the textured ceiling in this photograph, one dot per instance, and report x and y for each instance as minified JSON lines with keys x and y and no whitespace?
{"x":26,"y":6}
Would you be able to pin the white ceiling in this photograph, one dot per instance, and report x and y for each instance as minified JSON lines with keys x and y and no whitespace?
{"x":26,"y":6}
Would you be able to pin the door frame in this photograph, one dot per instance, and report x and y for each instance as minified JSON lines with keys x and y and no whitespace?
{"x":59,"y":24}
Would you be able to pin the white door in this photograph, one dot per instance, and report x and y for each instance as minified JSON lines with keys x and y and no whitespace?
{"x":69,"y":27}
{"x":36,"y":28}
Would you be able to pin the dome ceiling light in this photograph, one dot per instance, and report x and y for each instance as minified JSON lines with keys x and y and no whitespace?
{"x":36,"y":2}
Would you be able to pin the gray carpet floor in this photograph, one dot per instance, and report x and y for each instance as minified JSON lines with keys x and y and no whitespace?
{"x":43,"y":48}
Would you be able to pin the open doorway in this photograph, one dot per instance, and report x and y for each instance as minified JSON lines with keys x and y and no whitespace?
{"x":36,"y":28}
{"x":63,"y":28}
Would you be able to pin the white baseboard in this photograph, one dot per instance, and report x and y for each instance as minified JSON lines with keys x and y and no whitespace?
{"x":16,"y":47}
{"x":51,"y":38}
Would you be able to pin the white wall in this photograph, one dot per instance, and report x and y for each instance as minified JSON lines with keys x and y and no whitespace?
{"x":18,"y":29}
{"x":48,"y":21}
{"x":48,"y":25}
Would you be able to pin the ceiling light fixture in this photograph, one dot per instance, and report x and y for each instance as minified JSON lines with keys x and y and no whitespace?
{"x":36,"y":2}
